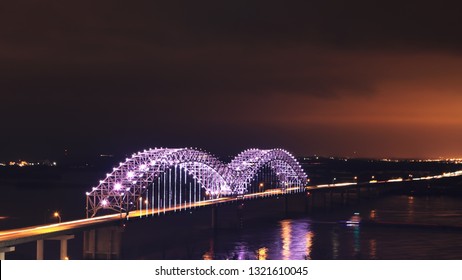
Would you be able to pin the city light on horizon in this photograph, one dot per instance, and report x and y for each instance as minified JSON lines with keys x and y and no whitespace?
{"x":186,"y":180}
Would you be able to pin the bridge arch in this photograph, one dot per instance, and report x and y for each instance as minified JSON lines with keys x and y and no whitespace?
{"x":130,"y":180}
{"x":247,"y":163}
{"x":210,"y":178}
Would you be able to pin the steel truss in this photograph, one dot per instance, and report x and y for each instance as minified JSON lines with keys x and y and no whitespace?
{"x":185,"y":176}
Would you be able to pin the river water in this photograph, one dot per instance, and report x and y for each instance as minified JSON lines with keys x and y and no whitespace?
{"x":323,"y":234}
{"x":408,"y":232}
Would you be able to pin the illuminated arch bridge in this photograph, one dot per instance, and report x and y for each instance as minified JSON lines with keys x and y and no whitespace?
{"x":166,"y":179}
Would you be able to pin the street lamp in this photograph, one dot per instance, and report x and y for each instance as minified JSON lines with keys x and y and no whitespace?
{"x":56,"y":214}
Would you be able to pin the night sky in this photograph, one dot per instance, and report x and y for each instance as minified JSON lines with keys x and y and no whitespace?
{"x":333,"y":78}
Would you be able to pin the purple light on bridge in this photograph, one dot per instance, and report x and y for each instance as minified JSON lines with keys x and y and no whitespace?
{"x":118,"y":186}
{"x":130,"y":174}
{"x":164,"y":173}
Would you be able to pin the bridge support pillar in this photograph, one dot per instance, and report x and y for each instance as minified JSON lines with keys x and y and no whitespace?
{"x":214,"y":216}
{"x":307,"y":202}
{"x":63,"y":251}
{"x":63,"y":246}
{"x":5,"y":250}
{"x":331,"y":199}
{"x":102,"y":243}
{"x":40,"y":249}
{"x":312,"y":201}
{"x":347,"y":196}
{"x":325,"y":200}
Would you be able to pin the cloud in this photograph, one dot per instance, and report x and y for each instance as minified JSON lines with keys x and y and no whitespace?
{"x":204,"y":48}
{"x":187,"y":69}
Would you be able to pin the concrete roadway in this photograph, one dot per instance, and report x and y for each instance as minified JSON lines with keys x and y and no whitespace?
{"x":22,"y":235}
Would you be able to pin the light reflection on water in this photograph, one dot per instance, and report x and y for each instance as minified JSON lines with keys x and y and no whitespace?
{"x":357,"y":239}
{"x":318,"y":236}
{"x":323,"y":236}
{"x":293,"y":241}
{"x":335,"y":245}
{"x":262,"y":253}
{"x":286,"y":231}
{"x":296,"y":239}
{"x":309,"y":244}
{"x":209,"y":254}
{"x":410,"y":209}
{"x":372,"y":249}
{"x":288,"y":240}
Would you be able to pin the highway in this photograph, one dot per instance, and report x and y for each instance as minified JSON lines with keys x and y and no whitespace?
{"x":17,"y":236}
{"x":21,"y":235}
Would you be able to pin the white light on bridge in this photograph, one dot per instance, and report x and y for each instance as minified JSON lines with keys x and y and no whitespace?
{"x":118,"y":186}
{"x":130,"y":174}
{"x":157,"y":170}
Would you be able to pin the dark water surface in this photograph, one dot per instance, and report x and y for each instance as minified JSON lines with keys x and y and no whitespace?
{"x":409,"y":233}
{"x":320,"y":235}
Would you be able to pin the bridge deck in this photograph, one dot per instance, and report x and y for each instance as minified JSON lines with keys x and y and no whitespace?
{"x":28,"y":234}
